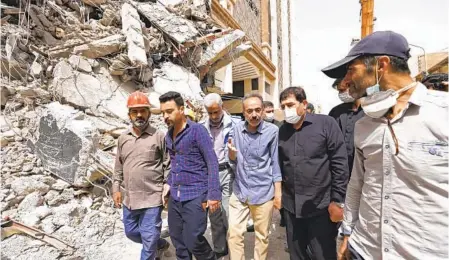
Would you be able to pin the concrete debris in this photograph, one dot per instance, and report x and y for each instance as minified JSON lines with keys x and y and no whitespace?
{"x":241,"y":50}
{"x":132,"y":28}
{"x":94,"y":2}
{"x":11,"y":68}
{"x":36,"y":69}
{"x":96,"y":92}
{"x":102,"y":47}
{"x":221,"y":47}
{"x":67,"y":69}
{"x":59,"y":128}
{"x":80,"y":63}
{"x":177,"y":28}
{"x":176,"y":78}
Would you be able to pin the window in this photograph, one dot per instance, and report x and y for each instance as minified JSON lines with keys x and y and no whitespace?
{"x":267,"y":88}
{"x":238,"y":88}
{"x":255,"y":84}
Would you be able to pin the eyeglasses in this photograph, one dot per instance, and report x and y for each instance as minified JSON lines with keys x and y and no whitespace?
{"x":396,"y":143}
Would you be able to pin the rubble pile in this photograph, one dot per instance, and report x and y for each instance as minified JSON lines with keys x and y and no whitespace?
{"x":67,"y":68}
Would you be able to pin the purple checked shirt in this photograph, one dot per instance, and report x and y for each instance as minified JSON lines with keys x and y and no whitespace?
{"x":194,"y":168}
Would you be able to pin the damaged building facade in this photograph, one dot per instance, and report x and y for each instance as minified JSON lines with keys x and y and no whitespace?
{"x":262,"y":63}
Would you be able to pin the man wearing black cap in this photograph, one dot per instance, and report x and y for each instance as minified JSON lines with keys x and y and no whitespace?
{"x":396,"y":200}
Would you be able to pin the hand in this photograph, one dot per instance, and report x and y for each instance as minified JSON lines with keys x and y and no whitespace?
{"x":335,"y":212}
{"x":165,"y":194}
{"x":277,"y":203}
{"x":213,"y":205}
{"x":117,"y":197}
{"x":342,"y":251}
{"x":232,"y":150}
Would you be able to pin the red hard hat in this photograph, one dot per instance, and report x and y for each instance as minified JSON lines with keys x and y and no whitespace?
{"x":138,"y":99}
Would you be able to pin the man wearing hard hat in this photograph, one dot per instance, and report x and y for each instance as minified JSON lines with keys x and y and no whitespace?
{"x":141,"y":169}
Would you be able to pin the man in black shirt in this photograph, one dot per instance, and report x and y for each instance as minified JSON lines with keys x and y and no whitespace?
{"x":346,"y":115}
{"x":314,"y":166}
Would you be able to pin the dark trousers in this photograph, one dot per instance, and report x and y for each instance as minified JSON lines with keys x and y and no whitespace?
{"x":187,"y":222}
{"x":144,"y":226}
{"x":315,"y":234}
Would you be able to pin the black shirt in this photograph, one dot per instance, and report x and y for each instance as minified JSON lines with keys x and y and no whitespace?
{"x":346,"y":119}
{"x":314,"y":165}
{"x":275,"y":122}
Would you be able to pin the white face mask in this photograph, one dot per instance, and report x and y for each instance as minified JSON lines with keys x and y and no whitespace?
{"x":378,"y":104}
{"x":345,"y":97}
{"x":291,"y":116}
{"x":269,"y":116}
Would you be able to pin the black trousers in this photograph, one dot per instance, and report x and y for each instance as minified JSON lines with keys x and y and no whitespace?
{"x":187,"y":223}
{"x":311,"y":238}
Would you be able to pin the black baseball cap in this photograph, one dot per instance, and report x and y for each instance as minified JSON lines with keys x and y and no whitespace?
{"x":377,"y":43}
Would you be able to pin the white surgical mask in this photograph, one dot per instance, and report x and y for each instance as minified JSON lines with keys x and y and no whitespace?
{"x":269,"y":116}
{"x":291,"y":116}
{"x":378,"y":104}
{"x":345,"y":97}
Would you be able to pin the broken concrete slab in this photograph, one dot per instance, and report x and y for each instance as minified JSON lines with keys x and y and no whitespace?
{"x":176,"y":27}
{"x":99,"y":92}
{"x":11,"y":68}
{"x":172,"y":77}
{"x":132,"y":28}
{"x":36,"y":69}
{"x":95,"y":3}
{"x":64,"y":144}
{"x":102,"y":47}
{"x":23,"y":186}
{"x":241,"y":50}
{"x":80,"y":63}
{"x":221,"y":47}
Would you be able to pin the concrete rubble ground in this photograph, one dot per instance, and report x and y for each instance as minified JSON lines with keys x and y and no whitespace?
{"x":67,"y":68}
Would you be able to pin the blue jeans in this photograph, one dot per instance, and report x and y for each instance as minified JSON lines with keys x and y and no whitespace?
{"x":144,"y":226}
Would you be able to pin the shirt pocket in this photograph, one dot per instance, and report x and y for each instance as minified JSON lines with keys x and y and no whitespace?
{"x":433,"y":153}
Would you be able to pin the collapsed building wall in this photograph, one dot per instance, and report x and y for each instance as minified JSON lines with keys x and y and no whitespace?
{"x":67,"y":68}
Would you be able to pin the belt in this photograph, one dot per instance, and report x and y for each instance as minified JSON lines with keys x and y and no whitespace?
{"x":223,"y":166}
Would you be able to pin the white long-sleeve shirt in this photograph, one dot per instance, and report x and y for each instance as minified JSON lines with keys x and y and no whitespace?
{"x":397,"y":205}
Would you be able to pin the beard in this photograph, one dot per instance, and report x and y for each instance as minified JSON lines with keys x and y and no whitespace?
{"x":140,"y":123}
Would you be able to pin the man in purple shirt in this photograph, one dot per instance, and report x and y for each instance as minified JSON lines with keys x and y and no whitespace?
{"x":193,"y":180}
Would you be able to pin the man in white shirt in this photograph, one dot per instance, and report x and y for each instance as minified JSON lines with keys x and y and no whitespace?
{"x":396,"y":200}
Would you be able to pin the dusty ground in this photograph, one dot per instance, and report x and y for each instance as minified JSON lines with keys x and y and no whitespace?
{"x":276,"y":249}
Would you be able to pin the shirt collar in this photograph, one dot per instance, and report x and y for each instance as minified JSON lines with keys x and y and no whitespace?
{"x":418,"y":94}
{"x":259,"y":127}
{"x":149,"y":130}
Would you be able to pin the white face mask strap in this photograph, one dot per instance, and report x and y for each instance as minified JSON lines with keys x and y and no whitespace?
{"x":406,"y":87}
{"x":377,"y":74}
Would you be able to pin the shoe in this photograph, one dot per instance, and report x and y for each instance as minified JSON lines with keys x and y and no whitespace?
{"x":220,"y":255}
{"x":164,"y":233}
{"x":164,"y":247}
{"x":250,"y":228}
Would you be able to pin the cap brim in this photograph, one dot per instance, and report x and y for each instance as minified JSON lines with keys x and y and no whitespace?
{"x":338,"y":69}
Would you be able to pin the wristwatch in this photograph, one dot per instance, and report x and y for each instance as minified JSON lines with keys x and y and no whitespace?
{"x":340,"y":205}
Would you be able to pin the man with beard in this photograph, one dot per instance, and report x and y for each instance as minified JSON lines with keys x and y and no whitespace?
{"x":194,"y":181}
{"x":219,"y":125}
{"x":396,"y":203}
{"x":141,"y":166}
{"x":314,"y":166}
{"x":257,"y":184}
{"x":347,"y":114}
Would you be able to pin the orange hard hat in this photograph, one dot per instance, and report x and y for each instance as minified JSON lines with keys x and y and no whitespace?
{"x":138,"y":99}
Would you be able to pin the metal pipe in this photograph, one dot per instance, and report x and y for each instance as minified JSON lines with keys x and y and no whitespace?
{"x":425,"y":57}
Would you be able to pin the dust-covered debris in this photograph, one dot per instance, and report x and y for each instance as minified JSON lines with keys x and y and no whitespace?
{"x":67,"y":68}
